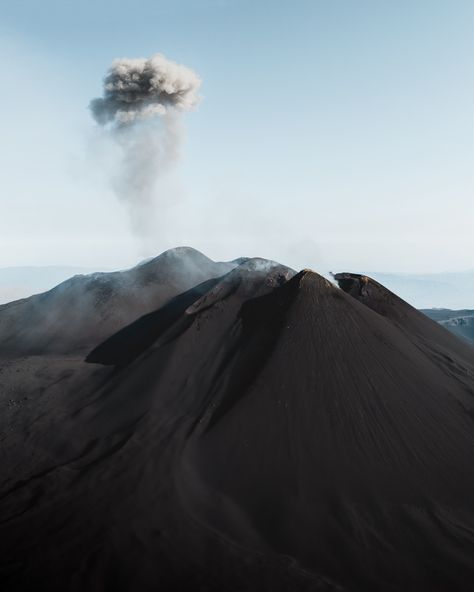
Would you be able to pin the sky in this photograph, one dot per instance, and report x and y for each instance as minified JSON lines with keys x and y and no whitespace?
{"x":332,"y":134}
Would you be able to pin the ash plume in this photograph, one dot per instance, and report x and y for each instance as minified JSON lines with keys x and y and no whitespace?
{"x":141,"y":111}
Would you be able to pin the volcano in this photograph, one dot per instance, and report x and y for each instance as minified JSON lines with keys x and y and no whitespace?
{"x":239,"y":426}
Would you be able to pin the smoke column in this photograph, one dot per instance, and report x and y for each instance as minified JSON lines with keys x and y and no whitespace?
{"x":141,"y":109}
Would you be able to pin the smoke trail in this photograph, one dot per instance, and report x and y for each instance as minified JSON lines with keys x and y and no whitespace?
{"x":141,"y":108}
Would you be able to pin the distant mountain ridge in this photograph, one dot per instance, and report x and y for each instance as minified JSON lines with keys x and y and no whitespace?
{"x":459,"y":322}
{"x":453,"y":290}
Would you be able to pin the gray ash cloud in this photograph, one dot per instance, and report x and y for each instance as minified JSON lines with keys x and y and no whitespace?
{"x":143,"y":88}
{"x":141,"y":112}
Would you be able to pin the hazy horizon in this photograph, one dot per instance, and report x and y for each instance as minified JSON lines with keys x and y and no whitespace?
{"x":448,"y":290}
{"x":140,"y":260}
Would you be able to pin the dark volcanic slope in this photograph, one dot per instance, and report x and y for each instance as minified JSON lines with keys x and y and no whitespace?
{"x":265,"y":431}
{"x":404,"y":316}
{"x":82,"y":311}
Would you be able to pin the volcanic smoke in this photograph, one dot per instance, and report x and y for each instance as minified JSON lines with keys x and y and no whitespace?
{"x":141,"y":111}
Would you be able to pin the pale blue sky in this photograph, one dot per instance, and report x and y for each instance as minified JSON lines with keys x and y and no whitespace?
{"x":332,"y":134}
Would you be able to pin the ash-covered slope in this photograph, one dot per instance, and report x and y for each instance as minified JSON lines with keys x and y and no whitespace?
{"x":80,"y":312}
{"x":405,"y":317}
{"x":262,"y":431}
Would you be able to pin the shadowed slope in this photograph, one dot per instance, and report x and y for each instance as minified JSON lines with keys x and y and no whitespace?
{"x":131,"y":341}
{"x":406,"y":317}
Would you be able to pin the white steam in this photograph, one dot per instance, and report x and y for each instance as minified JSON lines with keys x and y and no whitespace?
{"x":141,"y":110}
